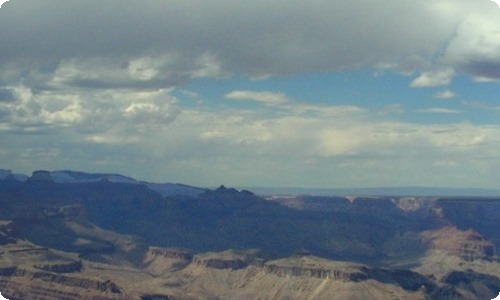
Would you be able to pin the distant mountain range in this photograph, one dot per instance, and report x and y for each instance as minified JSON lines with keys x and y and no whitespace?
{"x":170,"y":189}
{"x":77,"y":177}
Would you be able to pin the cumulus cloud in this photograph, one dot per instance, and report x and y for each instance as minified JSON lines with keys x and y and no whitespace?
{"x":268,"y":98}
{"x":474,"y":48}
{"x":87,"y":112}
{"x":207,"y":66}
{"x":433,"y":78}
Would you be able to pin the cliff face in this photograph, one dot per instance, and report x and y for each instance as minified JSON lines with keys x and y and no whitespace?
{"x":468,"y":245}
{"x":480,"y":215}
{"x":41,"y":176}
{"x":28,"y":271}
{"x":174,"y":253}
{"x":6,"y":230}
{"x":63,"y":267}
{"x":50,"y":277}
{"x":159,"y":261}
{"x":21,"y":284}
{"x":28,"y":283}
{"x":230,"y":259}
{"x":312,"y":272}
{"x":233,"y":264}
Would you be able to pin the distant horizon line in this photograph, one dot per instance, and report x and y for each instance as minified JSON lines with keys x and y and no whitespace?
{"x":364,"y":191}
{"x":399,"y":191}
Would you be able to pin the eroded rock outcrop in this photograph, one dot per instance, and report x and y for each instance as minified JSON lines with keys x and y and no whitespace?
{"x":63,"y":267}
{"x":158,"y":261}
{"x":102,"y":286}
{"x":20,"y":283}
{"x":229,"y":259}
{"x":6,"y":230}
{"x":41,"y":176}
{"x":284,"y":271}
{"x":233,"y":264}
{"x":315,"y":267}
{"x":175,"y":253}
{"x":468,"y":245}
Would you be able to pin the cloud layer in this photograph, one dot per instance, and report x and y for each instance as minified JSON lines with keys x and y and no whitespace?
{"x":165,"y":42}
{"x":96,"y":85}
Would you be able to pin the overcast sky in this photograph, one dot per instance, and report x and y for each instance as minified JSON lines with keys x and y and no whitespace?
{"x":318,"y":93}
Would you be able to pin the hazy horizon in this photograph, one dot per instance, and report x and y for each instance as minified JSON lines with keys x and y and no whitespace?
{"x":417,"y":191}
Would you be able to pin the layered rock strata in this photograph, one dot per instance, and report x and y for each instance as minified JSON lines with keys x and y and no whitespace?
{"x":468,"y":245}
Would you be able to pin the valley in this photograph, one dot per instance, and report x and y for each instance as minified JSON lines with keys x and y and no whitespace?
{"x":71,"y":235}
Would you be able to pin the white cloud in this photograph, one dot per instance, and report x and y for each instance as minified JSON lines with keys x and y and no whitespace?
{"x":245,"y":147}
{"x":142,"y":72}
{"x":320,"y":144}
{"x":325,"y":110}
{"x":112,"y":139}
{"x":268,"y":98}
{"x":475,"y":47}
{"x":446,"y":94}
{"x":96,"y":111}
{"x":440,"y":110}
{"x":143,"y":68}
{"x":485,"y":79}
{"x":433,"y":78}
{"x":1,"y":297}
{"x":207,"y":66}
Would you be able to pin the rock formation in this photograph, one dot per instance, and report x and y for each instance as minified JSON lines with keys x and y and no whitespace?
{"x":41,"y":176}
{"x":468,"y":245}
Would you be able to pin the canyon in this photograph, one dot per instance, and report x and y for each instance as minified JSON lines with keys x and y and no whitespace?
{"x":72,"y":235}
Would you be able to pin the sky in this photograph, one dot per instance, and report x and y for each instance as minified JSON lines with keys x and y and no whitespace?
{"x":319,"y":93}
